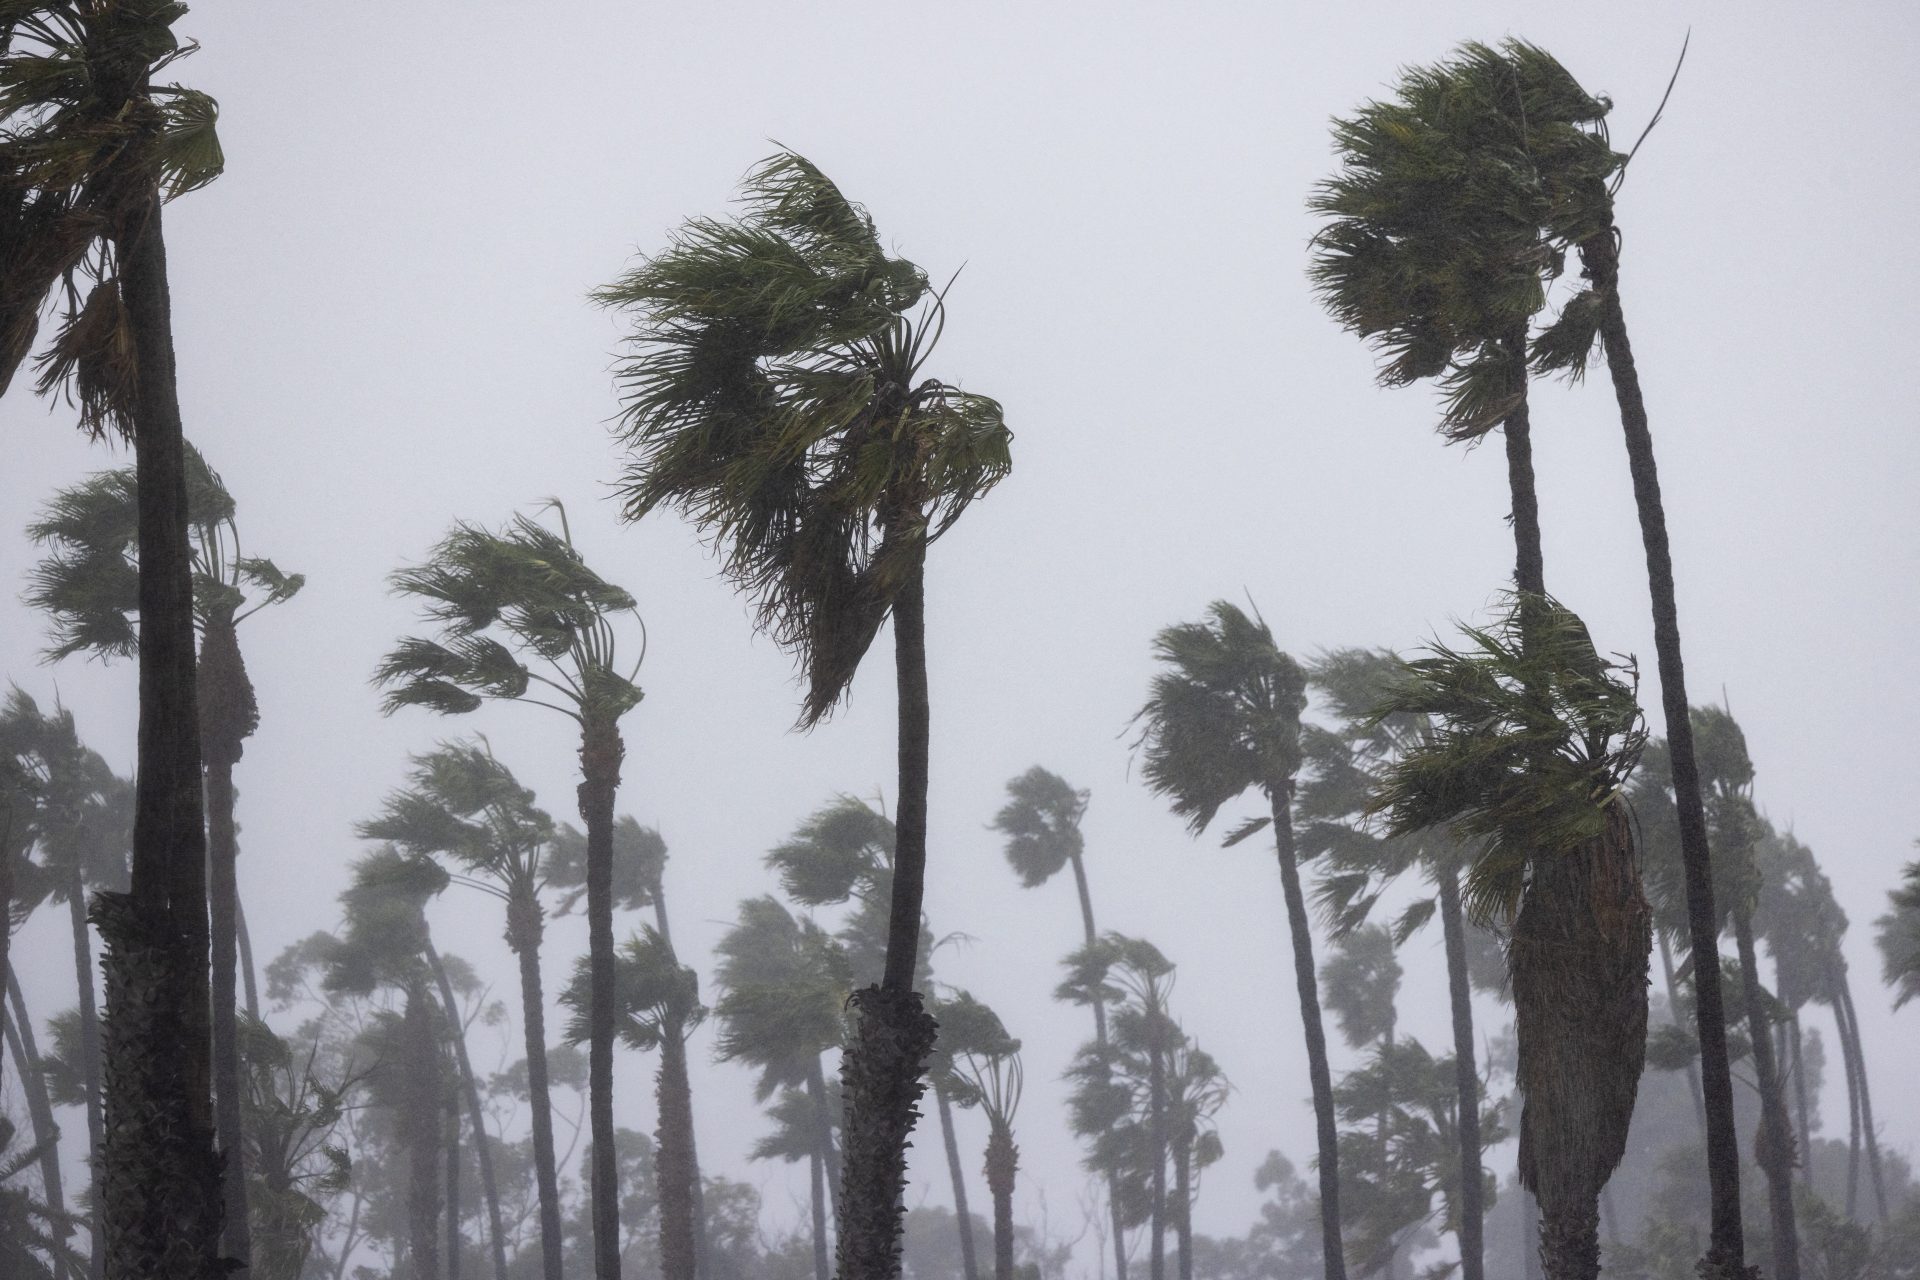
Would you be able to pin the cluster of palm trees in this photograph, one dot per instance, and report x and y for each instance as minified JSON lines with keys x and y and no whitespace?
{"x":775,"y":391}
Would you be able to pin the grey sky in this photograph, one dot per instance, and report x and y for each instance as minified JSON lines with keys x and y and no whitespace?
{"x":381,"y":321}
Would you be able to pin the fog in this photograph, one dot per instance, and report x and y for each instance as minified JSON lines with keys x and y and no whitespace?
{"x":382,"y":321}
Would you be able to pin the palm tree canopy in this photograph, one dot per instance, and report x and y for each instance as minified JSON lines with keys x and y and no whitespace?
{"x":770,"y":396}
{"x":464,"y":805}
{"x":1222,"y":716}
{"x":386,"y":923}
{"x":784,"y":983}
{"x":1360,"y":982}
{"x":59,"y":799}
{"x":1534,"y":737}
{"x":843,"y":850}
{"x":86,"y":141}
{"x":1041,"y":821}
{"x":1898,"y":936}
{"x":639,"y":864}
{"x":655,"y":996}
{"x":500,"y":597}
{"x":88,"y":583}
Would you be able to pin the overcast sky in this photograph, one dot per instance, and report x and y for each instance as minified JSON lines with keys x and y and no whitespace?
{"x":382,"y":325}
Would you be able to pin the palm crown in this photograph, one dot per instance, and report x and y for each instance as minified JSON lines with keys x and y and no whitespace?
{"x":771,"y":396}
{"x":1041,"y":820}
{"x":655,"y":996}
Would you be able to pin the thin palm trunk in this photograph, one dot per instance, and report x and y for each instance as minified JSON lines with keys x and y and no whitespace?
{"x":601,"y":752}
{"x":1307,"y":983}
{"x":1002,"y":1167}
{"x":1853,"y":1105}
{"x":1157,"y":1182}
{"x":89,"y":1046}
{"x":882,"y":1071}
{"x":816,"y":1181}
{"x":249,"y":977}
{"x":523,"y":936}
{"x":420,"y":1131}
{"x":700,"y":1242}
{"x":963,"y":1219}
{"x":452,"y":1122}
{"x":1673,"y":1012}
{"x":1183,"y":1207}
{"x":679,"y":1259}
{"x":1774,"y":1146}
{"x":223,"y":895}
{"x":46,"y":1133}
{"x":1100,"y":1037}
{"x":1466,"y":1079}
{"x":160,"y":1175}
{"x":1800,"y":1102}
{"x":1866,"y":1101}
{"x":476,"y":1116}
{"x":1726,"y":1250}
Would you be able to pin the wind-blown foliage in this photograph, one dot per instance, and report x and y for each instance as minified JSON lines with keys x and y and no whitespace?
{"x":1898,"y":936}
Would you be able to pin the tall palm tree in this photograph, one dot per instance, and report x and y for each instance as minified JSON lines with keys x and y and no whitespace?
{"x":519,"y":609}
{"x":659,"y":1008}
{"x":1534,"y":737}
{"x":784,"y":982}
{"x":771,"y":395}
{"x":998,"y":1080}
{"x":88,"y":585}
{"x":1223,"y":717}
{"x":90,"y":146}
{"x":464,"y":806}
{"x":1041,"y":821}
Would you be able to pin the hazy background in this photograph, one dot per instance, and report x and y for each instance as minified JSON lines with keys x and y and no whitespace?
{"x":381,"y":320}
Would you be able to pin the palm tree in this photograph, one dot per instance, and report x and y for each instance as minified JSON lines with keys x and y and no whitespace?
{"x":1041,"y":821}
{"x":1221,"y":718}
{"x":659,"y":1008}
{"x":1534,"y":737}
{"x":520,"y":609}
{"x":784,"y":982}
{"x":1196,"y":1090}
{"x":88,"y":585}
{"x":464,"y":806}
{"x":1898,"y":936}
{"x":771,"y":395}
{"x":997,"y":1079}
{"x":292,"y":1112}
{"x":968,"y":1030}
{"x":89,"y":148}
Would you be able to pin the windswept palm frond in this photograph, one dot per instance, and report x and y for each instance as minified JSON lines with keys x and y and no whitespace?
{"x":655,"y":996}
{"x":1041,"y":821}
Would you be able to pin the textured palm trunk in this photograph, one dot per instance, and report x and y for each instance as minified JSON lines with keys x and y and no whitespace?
{"x":1314,"y":1031}
{"x":223,"y":894}
{"x":1183,"y":1207}
{"x":679,"y":1258}
{"x":700,"y":1242}
{"x":601,"y":752}
{"x":882,"y":1070}
{"x":1466,"y":1077}
{"x":523,"y":936}
{"x":46,"y":1133}
{"x":89,"y":1047}
{"x":816,"y":1179}
{"x":419,"y":1128}
{"x":451,"y":1105}
{"x":1578,"y":958}
{"x":1773,"y":1144}
{"x":969,"y":1265}
{"x":1002,"y":1168}
{"x":1726,"y":1251}
{"x":160,"y":1175}
{"x":476,"y":1116}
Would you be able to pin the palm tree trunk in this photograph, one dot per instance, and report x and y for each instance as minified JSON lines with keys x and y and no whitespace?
{"x":476,"y":1116}
{"x":882,"y":1071}
{"x":1726,"y":1250}
{"x":1800,"y":1103}
{"x":674,"y":1166}
{"x":700,"y":1262}
{"x":452,"y":1121}
{"x":223,"y":894}
{"x":1866,"y":1100}
{"x":1100,"y":1038}
{"x":523,"y":934}
{"x":1183,"y":1207}
{"x":1578,"y":959}
{"x":601,"y":752}
{"x":1003,"y":1165}
{"x":419,"y":1130}
{"x":46,"y":1133}
{"x":969,"y":1265}
{"x":160,"y":1176}
{"x":248,"y":975}
{"x":1853,"y":1104}
{"x":1774,"y":1144}
{"x":1673,"y":1011}
{"x":816,"y":1179}
{"x":1157,"y":1183}
{"x":1306,"y":981}
{"x":1529,"y":571}
{"x":1466,"y":1077}
{"x":89,"y":1046}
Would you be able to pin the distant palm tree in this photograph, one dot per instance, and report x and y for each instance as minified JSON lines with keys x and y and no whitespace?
{"x":659,"y":1008}
{"x":998,"y":1080}
{"x":31,"y":1243}
{"x":771,"y":395}
{"x":28,"y":1065}
{"x":968,"y":1029}
{"x":88,"y":585}
{"x":1898,"y":935}
{"x":1196,"y":1090}
{"x":1534,"y":737}
{"x":516,"y":609}
{"x":1222,"y":718}
{"x":464,"y":806}
{"x":89,"y":148}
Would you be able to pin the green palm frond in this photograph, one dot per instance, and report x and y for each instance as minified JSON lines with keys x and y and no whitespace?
{"x":1041,"y":821}
{"x":784,"y":983}
{"x":842,"y":850}
{"x":770,"y":396}
{"x":654,"y":995}
{"x":1534,"y":737}
{"x":463,"y":804}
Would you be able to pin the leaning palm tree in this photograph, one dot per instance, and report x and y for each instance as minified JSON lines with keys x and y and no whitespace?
{"x":88,"y":585}
{"x":1897,"y":934}
{"x":1223,"y":718}
{"x":519,"y":609}
{"x":1534,"y":736}
{"x":465,"y":807}
{"x":659,"y":1008}
{"x":90,"y":146}
{"x":774,"y":393}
